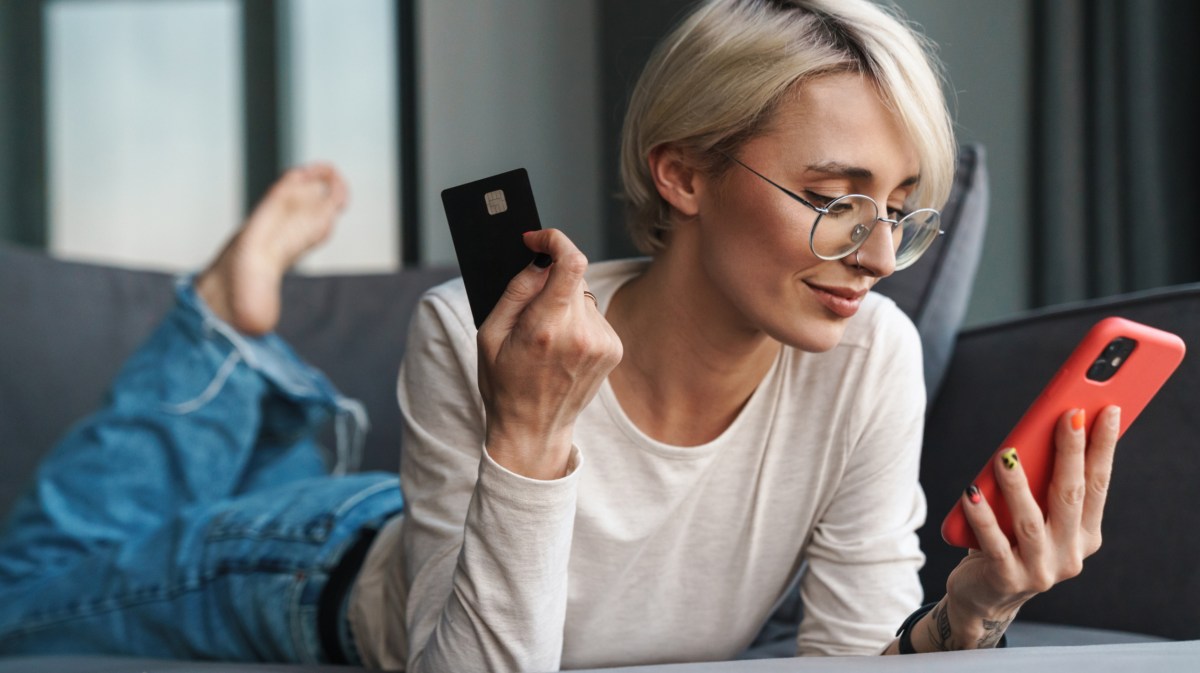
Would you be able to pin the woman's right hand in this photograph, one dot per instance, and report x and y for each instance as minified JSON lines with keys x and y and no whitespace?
{"x":543,"y":352}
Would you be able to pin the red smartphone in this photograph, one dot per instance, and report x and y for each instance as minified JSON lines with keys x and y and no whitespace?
{"x":1118,"y":362}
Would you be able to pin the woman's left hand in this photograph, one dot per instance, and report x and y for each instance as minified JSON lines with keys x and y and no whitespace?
{"x":987,"y":588}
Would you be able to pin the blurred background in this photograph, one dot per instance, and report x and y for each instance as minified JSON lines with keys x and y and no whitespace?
{"x":140,"y":132}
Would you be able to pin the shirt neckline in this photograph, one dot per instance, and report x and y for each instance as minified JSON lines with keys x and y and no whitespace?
{"x":608,"y":279}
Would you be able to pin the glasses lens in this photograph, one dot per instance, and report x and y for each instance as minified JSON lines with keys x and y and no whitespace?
{"x":844,"y":227}
{"x":916,"y":232}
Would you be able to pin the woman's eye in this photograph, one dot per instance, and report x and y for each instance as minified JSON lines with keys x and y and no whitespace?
{"x":819,"y":199}
{"x":897,"y":214}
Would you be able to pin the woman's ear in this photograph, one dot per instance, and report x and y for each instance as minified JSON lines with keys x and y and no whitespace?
{"x":675,"y":178}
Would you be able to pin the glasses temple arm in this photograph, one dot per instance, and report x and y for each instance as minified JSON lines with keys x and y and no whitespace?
{"x":776,"y":185}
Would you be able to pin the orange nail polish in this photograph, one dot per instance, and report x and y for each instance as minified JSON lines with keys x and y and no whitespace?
{"x":1077,"y":419}
{"x":974,"y":495}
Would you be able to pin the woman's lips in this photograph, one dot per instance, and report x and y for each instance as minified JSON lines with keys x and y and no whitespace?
{"x":842,"y":302}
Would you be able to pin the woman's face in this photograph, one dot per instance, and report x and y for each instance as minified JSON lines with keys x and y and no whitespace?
{"x":831,"y":137}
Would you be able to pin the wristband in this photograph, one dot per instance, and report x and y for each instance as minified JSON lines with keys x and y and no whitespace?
{"x":905,"y":630}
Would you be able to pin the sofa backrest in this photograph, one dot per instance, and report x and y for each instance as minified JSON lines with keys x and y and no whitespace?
{"x":935,"y":291}
{"x":66,"y":328}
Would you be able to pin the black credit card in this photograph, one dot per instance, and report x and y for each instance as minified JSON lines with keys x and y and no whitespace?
{"x":487,"y":219}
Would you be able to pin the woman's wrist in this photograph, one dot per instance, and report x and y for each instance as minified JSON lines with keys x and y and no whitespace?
{"x":535,"y":456}
{"x":959,"y":625}
{"x":989,"y":616}
{"x":948,"y":626}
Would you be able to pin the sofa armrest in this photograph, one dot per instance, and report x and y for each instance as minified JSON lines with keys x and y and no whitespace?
{"x":1144,"y":579}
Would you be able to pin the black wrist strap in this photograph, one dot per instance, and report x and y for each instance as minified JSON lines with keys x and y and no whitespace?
{"x":905,"y":630}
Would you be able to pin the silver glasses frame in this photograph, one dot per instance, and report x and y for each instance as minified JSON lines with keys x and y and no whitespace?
{"x":870,"y":228}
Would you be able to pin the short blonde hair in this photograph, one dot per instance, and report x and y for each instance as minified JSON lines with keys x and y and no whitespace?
{"x":716,"y":80}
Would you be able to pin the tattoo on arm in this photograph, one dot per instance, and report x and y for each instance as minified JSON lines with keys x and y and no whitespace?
{"x":940,"y":634}
{"x":993,"y":631}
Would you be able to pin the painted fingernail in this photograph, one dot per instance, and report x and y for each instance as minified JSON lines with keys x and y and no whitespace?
{"x":974,"y":495}
{"x":541,"y":260}
{"x":1077,"y":419}
{"x":1009,"y":458}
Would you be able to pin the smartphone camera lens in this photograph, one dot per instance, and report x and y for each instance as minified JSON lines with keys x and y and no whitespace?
{"x":1114,"y":355}
{"x":1100,"y":370}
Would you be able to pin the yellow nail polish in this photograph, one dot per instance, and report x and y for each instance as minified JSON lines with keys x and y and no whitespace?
{"x":1077,"y":419}
{"x":1009,"y":458}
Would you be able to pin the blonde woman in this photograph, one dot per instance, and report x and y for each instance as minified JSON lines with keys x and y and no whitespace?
{"x":629,"y":462}
{"x":638,"y":477}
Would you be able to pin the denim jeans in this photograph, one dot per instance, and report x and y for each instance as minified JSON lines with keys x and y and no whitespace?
{"x":192,"y":516}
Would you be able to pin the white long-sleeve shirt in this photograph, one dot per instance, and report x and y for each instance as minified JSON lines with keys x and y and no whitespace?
{"x":645,"y":552}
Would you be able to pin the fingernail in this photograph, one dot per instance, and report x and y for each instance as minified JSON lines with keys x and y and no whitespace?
{"x":1077,"y":419}
{"x":1114,"y":418}
{"x":973,"y":494}
{"x":1009,"y":458}
{"x":541,"y":260}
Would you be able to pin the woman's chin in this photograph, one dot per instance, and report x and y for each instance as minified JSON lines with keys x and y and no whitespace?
{"x":814,"y":336}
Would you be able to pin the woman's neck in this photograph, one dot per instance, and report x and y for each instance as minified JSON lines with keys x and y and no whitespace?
{"x":690,"y":361}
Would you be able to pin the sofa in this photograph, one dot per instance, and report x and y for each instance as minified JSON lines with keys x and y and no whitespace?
{"x":65,"y":328}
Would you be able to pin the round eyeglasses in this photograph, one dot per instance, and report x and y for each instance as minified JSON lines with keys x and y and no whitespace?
{"x":846,"y":223}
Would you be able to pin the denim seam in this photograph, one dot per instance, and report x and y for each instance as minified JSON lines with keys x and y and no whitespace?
{"x":362,"y":495}
{"x":184,"y":285}
{"x":351,"y":426}
{"x":318,"y":529}
{"x":213,"y":389}
{"x":258,"y":535}
{"x":301,"y":645}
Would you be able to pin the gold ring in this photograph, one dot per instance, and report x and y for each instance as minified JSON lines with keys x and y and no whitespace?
{"x":591,"y":296}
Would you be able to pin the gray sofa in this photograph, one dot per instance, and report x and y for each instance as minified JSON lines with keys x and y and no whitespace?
{"x":65,"y":327}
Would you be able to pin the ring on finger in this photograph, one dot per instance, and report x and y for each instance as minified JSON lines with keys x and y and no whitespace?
{"x":591,"y":296}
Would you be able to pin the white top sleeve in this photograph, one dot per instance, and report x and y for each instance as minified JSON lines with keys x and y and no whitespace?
{"x":485,"y":551}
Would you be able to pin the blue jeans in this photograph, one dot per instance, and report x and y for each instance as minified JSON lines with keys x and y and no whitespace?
{"x":192,"y":516}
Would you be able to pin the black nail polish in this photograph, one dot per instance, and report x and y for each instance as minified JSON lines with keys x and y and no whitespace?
{"x":973,"y":494}
{"x":541,"y":260}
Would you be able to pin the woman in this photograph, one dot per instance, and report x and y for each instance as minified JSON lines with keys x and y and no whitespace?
{"x":630,"y":461}
{"x":637,"y":477}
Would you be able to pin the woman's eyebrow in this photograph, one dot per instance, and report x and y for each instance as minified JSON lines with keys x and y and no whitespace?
{"x":841,"y":170}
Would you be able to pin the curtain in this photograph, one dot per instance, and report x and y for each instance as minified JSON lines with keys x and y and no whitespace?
{"x":1115,"y":177}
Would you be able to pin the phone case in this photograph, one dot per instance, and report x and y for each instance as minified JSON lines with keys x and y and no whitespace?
{"x":1154,"y":357}
{"x":487,"y":219}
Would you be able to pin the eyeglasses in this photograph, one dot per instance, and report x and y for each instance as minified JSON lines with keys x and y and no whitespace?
{"x":846,"y":223}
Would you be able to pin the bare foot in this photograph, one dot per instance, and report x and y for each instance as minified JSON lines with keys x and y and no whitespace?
{"x":241,"y":286}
